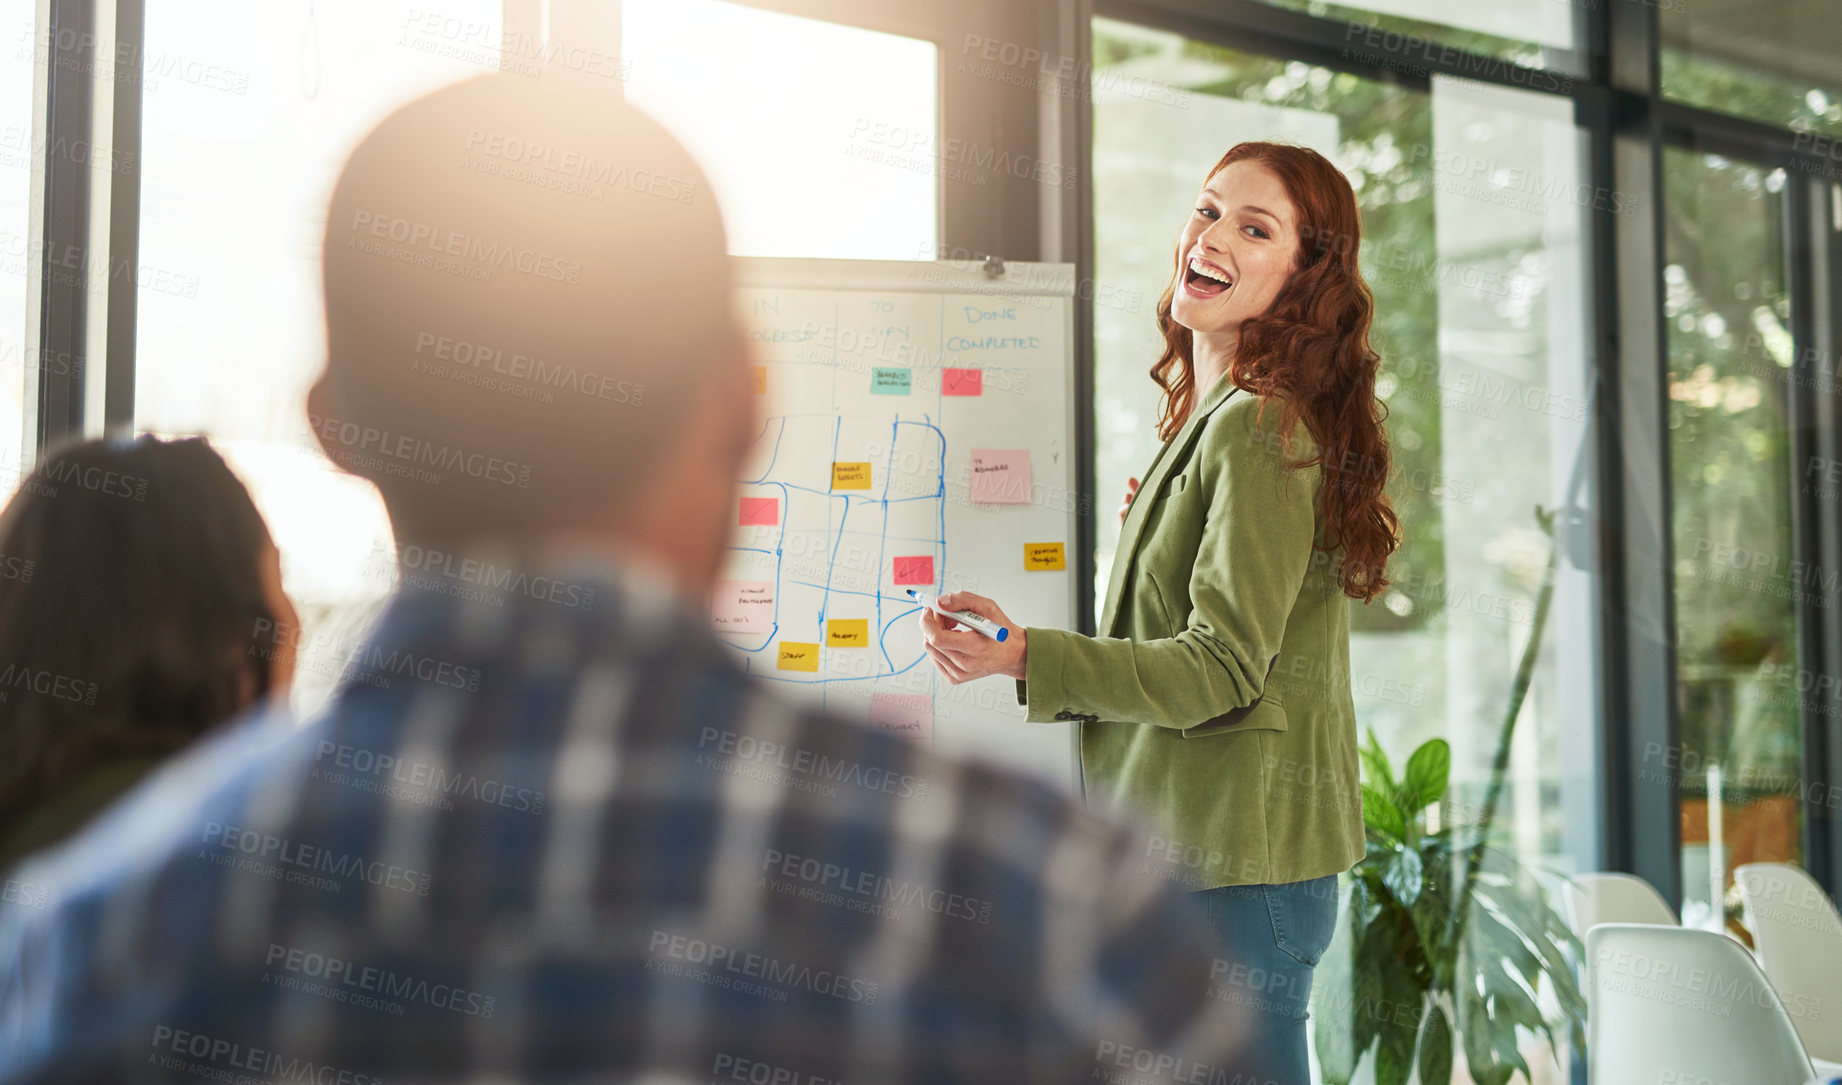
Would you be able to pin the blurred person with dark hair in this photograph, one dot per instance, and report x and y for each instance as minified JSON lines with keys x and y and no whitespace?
{"x":565,"y":835}
{"x":140,"y":607}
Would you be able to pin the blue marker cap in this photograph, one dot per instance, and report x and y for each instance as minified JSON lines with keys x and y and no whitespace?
{"x":981,"y":623}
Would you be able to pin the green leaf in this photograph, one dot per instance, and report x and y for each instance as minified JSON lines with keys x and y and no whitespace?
{"x":1488,"y":1022}
{"x":1435,"y":1049}
{"x":1366,"y":990}
{"x":1375,"y":764}
{"x":1404,"y":875}
{"x":1380,"y":813}
{"x":1474,"y":1025}
{"x":1390,"y":1067}
{"x":1430,"y":914}
{"x":1510,"y":1001}
{"x":1551,"y":938}
{"x":1399,"y":1015}
{"x":1333,"y":1032}
{"x":1503,"y":1036}
{"x":1494,"y":940}
{"x":1428,"y":772}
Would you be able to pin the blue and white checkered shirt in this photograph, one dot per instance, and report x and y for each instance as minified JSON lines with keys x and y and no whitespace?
{"x":549,"y":829}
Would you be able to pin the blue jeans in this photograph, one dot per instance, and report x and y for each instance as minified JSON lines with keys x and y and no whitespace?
{"x":1269,"y":939}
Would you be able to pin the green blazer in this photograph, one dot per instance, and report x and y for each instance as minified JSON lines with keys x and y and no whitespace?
{"x":1216,"y":700}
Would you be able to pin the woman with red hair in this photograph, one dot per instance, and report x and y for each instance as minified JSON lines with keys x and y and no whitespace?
{"x":1216,"y":701}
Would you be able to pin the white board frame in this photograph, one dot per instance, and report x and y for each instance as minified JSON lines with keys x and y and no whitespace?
{"x":1018,"y":279}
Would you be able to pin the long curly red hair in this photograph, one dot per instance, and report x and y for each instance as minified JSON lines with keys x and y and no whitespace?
{"x":1311,"y":351}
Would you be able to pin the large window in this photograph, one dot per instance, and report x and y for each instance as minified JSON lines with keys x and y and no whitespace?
{"x":1474,"y":202}
{"x":243,"y":141}
{"x":1741,"y":685}
{"x":19,"y":161}
{"x":800,"y":166}
{"x":1774,"y":62}
{"x":240,"y":162}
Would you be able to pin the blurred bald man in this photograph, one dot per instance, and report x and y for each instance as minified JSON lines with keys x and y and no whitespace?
{"x":549,"y":829}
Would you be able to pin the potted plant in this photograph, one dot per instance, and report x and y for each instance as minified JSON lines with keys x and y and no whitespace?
{"x":1439,"y":938}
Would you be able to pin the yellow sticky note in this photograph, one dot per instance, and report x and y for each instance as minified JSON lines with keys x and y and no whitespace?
{"x":1043,"y":556}
{"x":850,"y":476}
{"x":848,"y":632}
{"x":760,"y":379}
{"x":795,"y":656}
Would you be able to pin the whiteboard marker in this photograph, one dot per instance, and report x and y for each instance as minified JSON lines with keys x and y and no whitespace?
{"x":964,"y":617}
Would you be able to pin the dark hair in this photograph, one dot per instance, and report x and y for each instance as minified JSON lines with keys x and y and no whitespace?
{"x":130,"y":591}
{"x":1311,"y":350}
{"x":507,"y":355}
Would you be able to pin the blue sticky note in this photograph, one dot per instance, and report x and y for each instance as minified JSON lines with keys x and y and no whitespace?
{"x":887,"y":381}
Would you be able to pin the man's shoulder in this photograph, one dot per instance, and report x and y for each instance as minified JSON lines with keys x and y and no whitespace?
{"x":156,"y":819}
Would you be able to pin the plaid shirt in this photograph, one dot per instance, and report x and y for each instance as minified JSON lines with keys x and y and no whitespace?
{"x":549,"y":829}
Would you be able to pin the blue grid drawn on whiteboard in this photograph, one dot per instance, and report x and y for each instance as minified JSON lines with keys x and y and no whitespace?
{"x":873,"y":505}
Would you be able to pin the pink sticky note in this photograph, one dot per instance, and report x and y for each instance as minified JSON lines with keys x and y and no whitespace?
{"x":918,"y":569}
{"x":742,"y":606}
{"x":760,"y":511}
{"x":1001,"y":476}
{"x":962,"y":382}
{"x":910,"y":715}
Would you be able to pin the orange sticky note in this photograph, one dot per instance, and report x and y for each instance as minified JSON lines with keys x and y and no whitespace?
{"x":850,"y":476}
{"x":760,"y":379}
{"x":1042,"y":556}
{"x":795,"y":656}
{"x":848,"y":632}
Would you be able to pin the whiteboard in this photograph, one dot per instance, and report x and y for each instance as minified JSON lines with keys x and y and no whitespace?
{"x":901,"y":404}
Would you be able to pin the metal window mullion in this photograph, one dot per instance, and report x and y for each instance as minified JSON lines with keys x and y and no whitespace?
{"x":1077,"y":243}
{"x":1740,"y":138}
{"x":124,"y":237}
{"x":1642,"y":727}
{"x":60,"y":233}
{"x":1813,"y":253}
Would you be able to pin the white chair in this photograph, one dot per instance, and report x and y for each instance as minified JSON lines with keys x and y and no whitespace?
{"x":1799,"y":938}
{"x":1673,"y":1004}
{"x":1593,"y":899}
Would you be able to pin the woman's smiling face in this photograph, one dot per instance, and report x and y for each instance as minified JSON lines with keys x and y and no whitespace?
{"x":1236,"y":251}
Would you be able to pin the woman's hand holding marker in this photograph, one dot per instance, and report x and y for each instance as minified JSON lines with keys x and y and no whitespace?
{"x":963,"y":654}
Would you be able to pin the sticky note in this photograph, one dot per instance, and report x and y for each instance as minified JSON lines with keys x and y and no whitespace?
{"x":1042,"y":556}
{"x":1001,"y":476}
{"x":760,"y":511}
{"x":908,"y":714}
{"x":795,"y":656}
{"x":760,"y":379}
{"x":848,"y":632}
{"x":743,"y":606}
{"x":962,"y":382}
{"x":914,"y":569}
{"x":886,"y":381}
{"x":850,"y":476}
